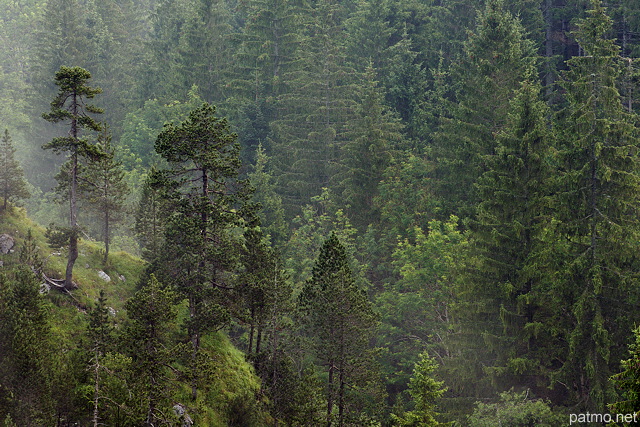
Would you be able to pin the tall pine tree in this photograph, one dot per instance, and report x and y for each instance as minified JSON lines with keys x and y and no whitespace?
{"x":70,"y":106}
{"x":207,"y":200}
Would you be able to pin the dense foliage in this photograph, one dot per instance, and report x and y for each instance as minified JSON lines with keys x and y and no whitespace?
{"x":402,"y":212}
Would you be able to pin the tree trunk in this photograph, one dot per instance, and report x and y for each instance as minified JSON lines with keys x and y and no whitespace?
{"x":330,"y":394}
{"x":106,"y":236}
{"x":258,"y":339}
{"x":548,"y":44}
{"x":341,"y":398}
{"x":73,"y":207}
{"x":251,"y":330}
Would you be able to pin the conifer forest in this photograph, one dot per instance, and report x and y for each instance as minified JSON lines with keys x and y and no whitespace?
{"x":363,"y":213}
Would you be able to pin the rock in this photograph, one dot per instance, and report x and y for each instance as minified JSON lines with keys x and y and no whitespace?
{"x":122,"y":278}
{"x":182,"y":414}
{"x":104,"y":276}
{"x":6,"y":243}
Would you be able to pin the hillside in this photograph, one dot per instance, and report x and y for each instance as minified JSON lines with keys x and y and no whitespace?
{"x":232,"y":382}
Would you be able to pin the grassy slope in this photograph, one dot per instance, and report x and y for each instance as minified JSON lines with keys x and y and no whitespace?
{"x":233,"y":378}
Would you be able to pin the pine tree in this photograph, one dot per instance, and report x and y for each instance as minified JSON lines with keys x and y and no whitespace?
{"x":598,"y":206}
{"x":107,"y":188}
{"x":207,"y":199}
{"x":341,"y":321}
{"x":70,"y":106}
{"x":12,"y":183}
{"x":263,"y":289}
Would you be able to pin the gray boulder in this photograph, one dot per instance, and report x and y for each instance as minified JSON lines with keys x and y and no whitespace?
{"x":6,"y":243}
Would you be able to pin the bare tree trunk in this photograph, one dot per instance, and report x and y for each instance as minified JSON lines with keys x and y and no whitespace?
{"x":258,"y":339}
{"x":73,"y":208}
{"x":107,"y":231}
{"x":73,"y":223}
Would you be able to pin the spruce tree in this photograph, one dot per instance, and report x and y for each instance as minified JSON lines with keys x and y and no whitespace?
{"x":369,"y":149}
{"x":70,"y":106}
{"x":628,"y":381}
{"x":425,"y":391}
{"x":497,"y":58}
{"x":100,"y":335}
{"x":151,"y":313}
{"x":27,"y":356}
{"x":313,"y":114}
{"x":271,"y":210}
{"x":598,"y":207}
{"x":500,"y":298}
{"x":12,"y":183}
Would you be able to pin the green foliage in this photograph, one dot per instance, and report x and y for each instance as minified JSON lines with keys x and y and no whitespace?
{"x":628,"y":381}
{"x":141,"y":126}
{"x":27,"y":354}
{"x":339,"y":319}
{"x":416,"y":308}
{"x":264,"y":289}
{"x":598,"y":205}
{"x":271,"y":209}
{"x":12,"y":183}
{"x":107,"y":189}
{"x":373,"y":138}
{"x":314,"y":114}
{"x":150,"y":219}
{"x":425,"y":391}
{"x":151,"y":313}
{"x":517,"y":410}
{"x":496,"y":60}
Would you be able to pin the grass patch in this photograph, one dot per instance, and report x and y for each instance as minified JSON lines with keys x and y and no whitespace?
{"x":123,"y":269}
